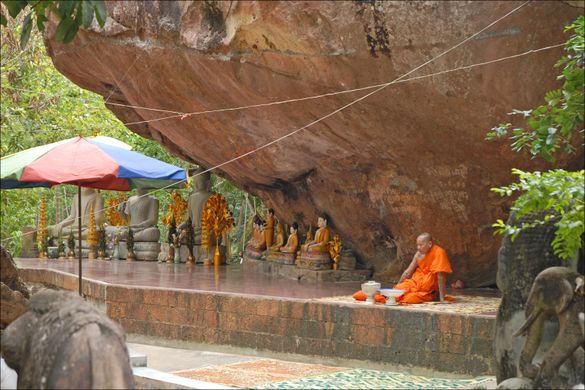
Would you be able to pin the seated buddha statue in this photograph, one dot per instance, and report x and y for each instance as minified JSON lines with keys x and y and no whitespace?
{"x":279,"y":242}
{"x":254,"y":237}
{"x":322,"y":235}
{"x":293,"y":240}
{"x":89,"y":197}
{"x":258,"y":240}
{"x":141,"y":212}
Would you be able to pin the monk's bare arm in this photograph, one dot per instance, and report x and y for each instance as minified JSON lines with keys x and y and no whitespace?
{"x":441,"y":276}
{"x":412,"y":267}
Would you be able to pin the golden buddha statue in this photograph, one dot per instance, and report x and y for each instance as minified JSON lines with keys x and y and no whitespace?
{"x":269,"y":228}
{"x":322,"y":236}
{"x":279,"y":238}
{"x":293,"y":240}
{"x":258,"y":240}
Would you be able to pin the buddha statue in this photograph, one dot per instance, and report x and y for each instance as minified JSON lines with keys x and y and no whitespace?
{"x":322,"y":235}
{"x":269,"y":228}
{"x":314,"y":254}
{"x":284,"y":254}
{"x":254,"y":238}
{"x":141,"y":212}
{"x":293,"y":240}
{"x":258,"y":240}
{"x":196,"y":203}
{"x":90,"y":197}
{"x":279,"y":242}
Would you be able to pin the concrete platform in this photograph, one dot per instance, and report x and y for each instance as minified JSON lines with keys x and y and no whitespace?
{"x":228,"y":306}
{"x":273,"y":269}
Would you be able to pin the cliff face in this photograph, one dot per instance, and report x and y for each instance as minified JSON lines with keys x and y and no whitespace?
{"x":408,"y":159}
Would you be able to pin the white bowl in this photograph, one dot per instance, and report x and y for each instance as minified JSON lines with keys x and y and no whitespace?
{"x":370,"y":288}
{"x":391,"y":295}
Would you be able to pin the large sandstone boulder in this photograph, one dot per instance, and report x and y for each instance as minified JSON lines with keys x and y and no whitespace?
{"x":13,"y":292}
{"x":407,"y":159}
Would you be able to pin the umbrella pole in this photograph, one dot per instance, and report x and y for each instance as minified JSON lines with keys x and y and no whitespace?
{"x":79,"y":232}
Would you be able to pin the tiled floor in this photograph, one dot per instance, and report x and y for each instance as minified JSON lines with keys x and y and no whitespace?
{"x":277,"y":374}
{"x":229,"y":278}
{"x":233,"y":279}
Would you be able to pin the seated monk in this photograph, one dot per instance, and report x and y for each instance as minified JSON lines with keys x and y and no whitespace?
{"x":319,"y":244}
{"x":279,"y":238}
{"x":293,"y":240}
{"x":425,"y":276}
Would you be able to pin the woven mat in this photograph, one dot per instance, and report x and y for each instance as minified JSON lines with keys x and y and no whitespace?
{"x":464,"y":304}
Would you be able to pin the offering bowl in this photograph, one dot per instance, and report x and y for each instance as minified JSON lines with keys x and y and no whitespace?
{"x":390,"y":294}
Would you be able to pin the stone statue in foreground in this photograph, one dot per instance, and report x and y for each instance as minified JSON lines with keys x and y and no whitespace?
{"x":557,"y":293}
{"x":61,"y":341}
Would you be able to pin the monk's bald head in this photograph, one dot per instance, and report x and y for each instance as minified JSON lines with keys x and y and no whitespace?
{"x":425,"y":236}
{"x":424,"y":242}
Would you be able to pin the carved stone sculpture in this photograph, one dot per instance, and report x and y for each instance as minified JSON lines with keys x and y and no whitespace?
{"x":89,"y":197}
{"x":557,"y":292}
{"x":196,"y":203}
{"x":519,"y":262}
{"x":141,"y":212}
{"x":314,"y":254}
{"x":64,"y":342}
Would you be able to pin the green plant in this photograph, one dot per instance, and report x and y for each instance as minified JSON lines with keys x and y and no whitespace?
{"x":557,"y":194}
{"x":560,"y":195}
{"x":551,"y":127}
{"x":72,"y":14}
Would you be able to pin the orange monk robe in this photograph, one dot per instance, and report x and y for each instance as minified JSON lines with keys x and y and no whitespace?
{"x":269,"y":230}
{"x":322,"y":237}
{"x":424,"y":283}
{"x":291,"y":244}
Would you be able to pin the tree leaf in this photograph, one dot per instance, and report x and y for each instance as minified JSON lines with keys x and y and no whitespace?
{"x":3,"y":20}
{"x":86,"y":13}
{"x":14,"y":7}
{"x":26,"y":29}
{"x":65,"y":8}
{"x":71,"y":32}
{"x":100,"y":11}
{"x":62,"y":28}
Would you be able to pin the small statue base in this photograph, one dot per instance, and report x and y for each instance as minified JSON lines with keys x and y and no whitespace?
{"x":146,"y":251}
{"x":253,"y":253}
{"x":315,"y":261}
{"x":281,"y":257}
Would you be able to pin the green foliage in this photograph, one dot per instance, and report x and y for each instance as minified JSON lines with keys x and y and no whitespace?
{"x":556,"y":194}
{"x":38,"y":105}
{"x":560,"y":195}
{"x":551,"y":127}
{"x":72,"y":15}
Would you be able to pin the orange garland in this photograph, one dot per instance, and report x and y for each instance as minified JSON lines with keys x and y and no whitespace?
{"x":114,"y":217}
{"x":177,"y":208}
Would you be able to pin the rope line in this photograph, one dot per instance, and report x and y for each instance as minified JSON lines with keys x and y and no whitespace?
{"x":378,"y":89}
{"x":464,"y":67}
